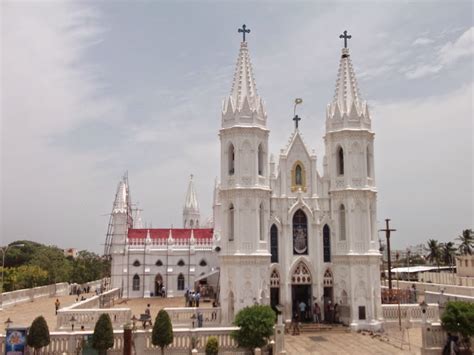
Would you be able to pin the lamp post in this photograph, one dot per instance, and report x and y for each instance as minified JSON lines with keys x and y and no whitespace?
{"x":4,"y":252}
{"x":408,"y":265}
{"x":8,"y":322}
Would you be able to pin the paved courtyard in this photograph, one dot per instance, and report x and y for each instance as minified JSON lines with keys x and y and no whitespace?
{"x":323,"y":342}
{"x":341,"y":343}
{"x":24,"y":314}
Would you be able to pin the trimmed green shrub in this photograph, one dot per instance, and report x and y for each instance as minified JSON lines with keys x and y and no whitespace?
{"x":458,"y":318}
{"x":212,"y":346}
{"x":103,"y":337}
{"x":38,"y":334}
{"x":256,"y":326}
{"x":162,"y":334}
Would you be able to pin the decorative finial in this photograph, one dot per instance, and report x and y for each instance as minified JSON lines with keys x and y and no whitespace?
{"x":296,"y":118}
{"x":345,"y":36}
{"x":243,"y":30}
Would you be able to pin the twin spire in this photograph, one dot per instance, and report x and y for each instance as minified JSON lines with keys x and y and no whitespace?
{"x":191,"y":215}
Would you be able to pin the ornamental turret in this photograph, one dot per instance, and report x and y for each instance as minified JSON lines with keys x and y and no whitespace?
{"x":191,"y":215}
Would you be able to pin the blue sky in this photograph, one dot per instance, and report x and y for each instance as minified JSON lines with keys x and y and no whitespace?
{"x":91,"y":89}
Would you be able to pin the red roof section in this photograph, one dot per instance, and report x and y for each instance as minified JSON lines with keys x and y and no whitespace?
{"x":177,"y":233}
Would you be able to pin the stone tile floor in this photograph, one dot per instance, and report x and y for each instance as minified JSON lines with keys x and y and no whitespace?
{"x":341,"y":343}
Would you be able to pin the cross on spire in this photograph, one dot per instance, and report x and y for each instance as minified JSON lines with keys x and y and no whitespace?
{"x":243,"y":30}
{"x":296,"y":119}
{"x":346,"y":37}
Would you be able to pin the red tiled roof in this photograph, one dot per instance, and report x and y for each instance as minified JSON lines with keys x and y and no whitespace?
{"x":177,"y":233}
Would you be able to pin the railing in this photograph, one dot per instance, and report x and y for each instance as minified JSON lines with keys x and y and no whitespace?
{"x":177,"y":243}
{"x":30,"y":294}
{"x":73,"y":342}
{"x":187,"y":316}
{"x":87,"y":312}
{"x":409,"y":312}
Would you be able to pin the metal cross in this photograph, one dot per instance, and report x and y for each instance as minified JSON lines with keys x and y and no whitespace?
{"x":243,"y":30}
{"x":296,"y":119}
{"x":346,"y":37}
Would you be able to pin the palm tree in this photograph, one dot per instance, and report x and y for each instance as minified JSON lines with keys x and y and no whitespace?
{"x":466,"y":244}
{"x":434,"y":251}
{"x":447,"y":253}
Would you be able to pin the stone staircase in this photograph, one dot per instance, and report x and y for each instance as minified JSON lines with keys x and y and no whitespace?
{"x":316,"y":328}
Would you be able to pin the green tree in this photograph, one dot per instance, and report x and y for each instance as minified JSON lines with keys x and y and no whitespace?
{"x":162,"y":334}
{"x":466,"y":244}
{"x":256,"y":326}
{"x":103,"y":337}
{"x":434,"y":251}
{"x":448,"y":251}
{"x":458,"y":318}
{"x":87,"y":266}
{"x":212,"y":346}
{"x":38,"y":334}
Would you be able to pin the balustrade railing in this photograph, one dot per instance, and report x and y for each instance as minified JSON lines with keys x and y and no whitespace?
{"x":73,"y":342}
{"x":410,"y":312}
{"x":187,"y":316}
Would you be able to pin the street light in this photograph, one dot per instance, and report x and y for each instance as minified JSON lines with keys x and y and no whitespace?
{"x":8,"y":322}
{"x":4,"y":252}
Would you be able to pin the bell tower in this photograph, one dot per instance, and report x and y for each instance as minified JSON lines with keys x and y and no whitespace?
{"x":244,"y":193}
{"x":349,"y":142}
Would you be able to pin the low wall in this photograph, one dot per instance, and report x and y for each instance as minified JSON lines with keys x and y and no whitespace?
{"x":71,"y":342}
{"x":424,"y":286}
{"x":30,"y":294}
{"x":87,"y":312}
{"x":445,"y":278}
{"x":186,"y":316}
{"x":410,"y":313}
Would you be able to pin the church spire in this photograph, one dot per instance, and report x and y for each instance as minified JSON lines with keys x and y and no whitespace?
{"x":347,"y":102}
{"x":243,"y":100}
{"x":191,"y":207}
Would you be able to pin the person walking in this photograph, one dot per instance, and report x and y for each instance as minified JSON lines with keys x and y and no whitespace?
{"x":316,"y":313}
{"x":302,"y":307}
{"x":56,"y":305}
{"x":197,"y":297}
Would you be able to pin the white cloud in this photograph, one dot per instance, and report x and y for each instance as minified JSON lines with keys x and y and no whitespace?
{"x":447,"y":55}
{"x":50,"y":91}
{"x":424,"y":165}
{"x":422,"y":41}
{"x":423,"y":70}
{"x":461,"y":48}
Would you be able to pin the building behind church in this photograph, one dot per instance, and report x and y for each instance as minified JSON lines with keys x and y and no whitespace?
{"x":282,"y":232}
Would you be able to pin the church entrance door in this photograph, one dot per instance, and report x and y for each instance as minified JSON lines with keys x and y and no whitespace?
{"x":158,"y":285}
{"x":299,"y":294}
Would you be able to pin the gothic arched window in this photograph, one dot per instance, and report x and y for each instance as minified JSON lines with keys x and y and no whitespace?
{"x":136,"y":283}
{"x":180,"y":282}
{"x":159,"y":263}
{"x":300,"y":233}
{"x":202,"y":263}
{"x":342,"y":223}
{"x":260,"y":160}
{"x":274,"y":243}
{"x":340,"y":161}
{"x":261,"y":217}
{"x":326,"y":244}
{"x":181,"y":262}
{"x":231,"y":222}
{"x":231,"y":158}
{"x":136,"y":263}
{"x":298,"y":177}
{"x":191,"y":223}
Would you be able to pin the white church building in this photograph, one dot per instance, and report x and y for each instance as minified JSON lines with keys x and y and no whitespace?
{"x":282,"y":232}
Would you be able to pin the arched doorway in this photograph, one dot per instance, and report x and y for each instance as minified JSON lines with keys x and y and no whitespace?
{"x":301,"y":292}
{"x":158,"y":285}
{"x":274,"y":289}
{"x":328,"y":296}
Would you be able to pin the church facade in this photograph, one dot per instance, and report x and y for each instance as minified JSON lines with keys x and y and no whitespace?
{"x":283,"y":233}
